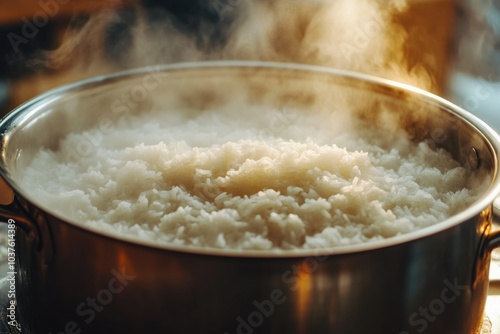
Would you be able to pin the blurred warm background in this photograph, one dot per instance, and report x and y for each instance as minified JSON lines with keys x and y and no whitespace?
{"x":430,"y":27}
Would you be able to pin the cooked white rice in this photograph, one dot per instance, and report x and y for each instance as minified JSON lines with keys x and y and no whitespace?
{"x":218,"y":180}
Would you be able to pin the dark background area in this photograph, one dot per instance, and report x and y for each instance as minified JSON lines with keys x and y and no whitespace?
{"x":22,"y":58}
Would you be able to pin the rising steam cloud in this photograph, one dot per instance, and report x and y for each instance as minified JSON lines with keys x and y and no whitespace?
{"x":357,"y":35}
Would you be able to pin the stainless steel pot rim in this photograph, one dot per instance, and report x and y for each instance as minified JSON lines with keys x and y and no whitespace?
{"x":33,"y":107}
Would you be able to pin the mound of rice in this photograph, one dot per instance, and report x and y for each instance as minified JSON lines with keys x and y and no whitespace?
{"x":218,"y":180}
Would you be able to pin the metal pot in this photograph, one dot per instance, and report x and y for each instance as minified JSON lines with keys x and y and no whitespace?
{"x":74,"y":279}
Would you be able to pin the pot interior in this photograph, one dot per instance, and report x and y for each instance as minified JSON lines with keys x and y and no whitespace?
{"x":389,"y":107}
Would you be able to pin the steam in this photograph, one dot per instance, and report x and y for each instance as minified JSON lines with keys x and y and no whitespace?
{"x":360,"y":35}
